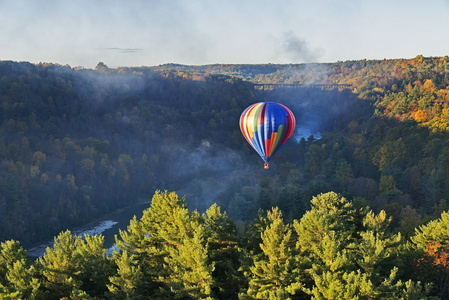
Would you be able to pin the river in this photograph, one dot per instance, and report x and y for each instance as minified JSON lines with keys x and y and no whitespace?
{"x":306,"y":129}
{"x":108,"y":227}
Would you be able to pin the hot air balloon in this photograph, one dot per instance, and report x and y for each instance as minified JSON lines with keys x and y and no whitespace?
{"x":267,"y":126}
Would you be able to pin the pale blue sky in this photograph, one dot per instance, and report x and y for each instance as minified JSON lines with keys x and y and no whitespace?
{"x":154,"y":32}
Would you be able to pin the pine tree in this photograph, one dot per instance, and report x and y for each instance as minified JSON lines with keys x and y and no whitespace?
{"x":376,"y":249}
{"x":76,"y":267}
{"x":146,"y":254}
{"x":351,"y":254}
{"x":127,"y":283}
{"x":95,"y":266}
{"x":275,"y":274}
{"x":326,"y":236}
{"x":18,"y":279}
{"x":190,"y":274}
{"x":170,"y":247}
{"x":60,"y":266}
{"x":224,"y":253}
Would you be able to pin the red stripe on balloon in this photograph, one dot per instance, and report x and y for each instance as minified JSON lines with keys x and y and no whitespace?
{"x":262,"y":114}
{"x":267,"y":147}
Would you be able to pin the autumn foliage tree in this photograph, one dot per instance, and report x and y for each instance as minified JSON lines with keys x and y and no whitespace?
{"x":433,"y":240}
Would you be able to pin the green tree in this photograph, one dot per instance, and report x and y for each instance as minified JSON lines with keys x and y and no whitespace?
{"x":351,"y":254}
{"x":388,"y":190}
{"x":276,"y":273}
{"x":409,"y":220}
{"x":18,"y":279}
{"x":326,"y":235}
{"x":313,"y":159}
{"x":127,"y":283}
{"x":170,"y":247}
{"x":343,"y":173}
{"x":76,"y":267}
{"x":225,"y":253}
{"x":190,"y":273}
{"x":390,"y":152}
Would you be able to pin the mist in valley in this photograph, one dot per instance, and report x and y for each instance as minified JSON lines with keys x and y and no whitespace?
{"x":109,"y":138}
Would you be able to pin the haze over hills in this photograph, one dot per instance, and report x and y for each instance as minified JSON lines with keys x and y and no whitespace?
{"x":77,"y":144}
{"x":92,"y":140}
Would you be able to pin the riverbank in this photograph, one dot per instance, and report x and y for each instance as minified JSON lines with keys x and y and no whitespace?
{"x":109,"y":226}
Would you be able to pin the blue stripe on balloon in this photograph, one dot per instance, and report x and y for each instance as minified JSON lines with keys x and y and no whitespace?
{"x":274,"y":117}
{"x":260,"y":134}
{"x":256,"y":146}
{"x":286,"y":129}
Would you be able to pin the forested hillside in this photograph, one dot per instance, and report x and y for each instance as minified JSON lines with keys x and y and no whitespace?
{"x":77,"y":144}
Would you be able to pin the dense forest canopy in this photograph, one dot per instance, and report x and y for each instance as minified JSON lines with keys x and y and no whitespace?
{"x":338,"y":249}
{"x":77,"y":144}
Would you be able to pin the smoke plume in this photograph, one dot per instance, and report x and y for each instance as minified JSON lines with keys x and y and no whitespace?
{"x":298,"y":49}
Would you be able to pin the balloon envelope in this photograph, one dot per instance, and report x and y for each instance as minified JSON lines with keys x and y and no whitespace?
{"x":267,"y":126}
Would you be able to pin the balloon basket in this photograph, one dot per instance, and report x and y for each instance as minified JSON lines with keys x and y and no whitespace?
{"x":265,"y":166}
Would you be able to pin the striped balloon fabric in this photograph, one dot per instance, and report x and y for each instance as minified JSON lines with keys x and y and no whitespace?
{"x":267,"y":126}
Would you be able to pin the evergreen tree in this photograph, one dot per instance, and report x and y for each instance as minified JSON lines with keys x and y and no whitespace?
{"x":275,"y":274}
{"x":96,"y":267}
{"x":18,"y":280}
{"x":76,"y":267}
{"x":127,"y":283}
{"x":170,"y":247}
{"x":351,"y":254}
{"x":146,"y":258}
{"x":253,"y":233}
{"x":190,"y":273}
{"x":224,"y":253}
{"x":376,"y":252}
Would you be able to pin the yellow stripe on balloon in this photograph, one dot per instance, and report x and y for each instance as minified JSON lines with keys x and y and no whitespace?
{"x":252,"y":119}
{"x":256,"y":116}
{"x":248,"y":121}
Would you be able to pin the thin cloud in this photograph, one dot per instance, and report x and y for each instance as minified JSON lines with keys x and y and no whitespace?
{"x":124,"y":50}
